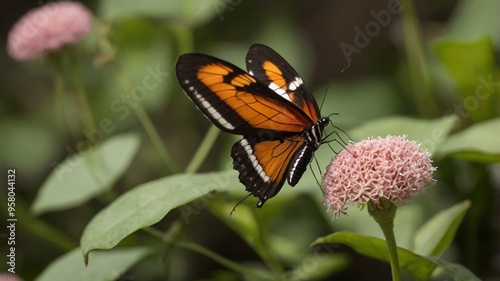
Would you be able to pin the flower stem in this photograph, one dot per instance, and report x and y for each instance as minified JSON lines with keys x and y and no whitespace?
{"x":60,"y":91}
{"x":384,"y":215}
{"x":203,"y":150}
{"x":86,"y":114}
{"x":147,"y":124}
{"x":417,"y":66}
{"x":234,"y":266}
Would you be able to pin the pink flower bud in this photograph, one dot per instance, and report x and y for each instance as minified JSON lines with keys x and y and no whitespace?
{"x":393,"y":168}
{"x":47,"y":29}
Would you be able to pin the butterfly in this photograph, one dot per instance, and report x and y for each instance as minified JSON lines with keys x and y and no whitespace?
{"x":270,"y":106}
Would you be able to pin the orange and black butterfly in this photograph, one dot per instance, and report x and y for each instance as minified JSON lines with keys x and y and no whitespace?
{"x":270,"y":106}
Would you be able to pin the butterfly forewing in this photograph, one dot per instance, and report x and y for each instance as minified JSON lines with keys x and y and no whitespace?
{"x":269,"y":106}
{"x":271,"y":69}
{"x":234,"y":100}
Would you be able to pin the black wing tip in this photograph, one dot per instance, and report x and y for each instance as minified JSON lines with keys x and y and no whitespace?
{"x":259,"y":46}
{"x":193,"y":58}
{"x":260,"y":202}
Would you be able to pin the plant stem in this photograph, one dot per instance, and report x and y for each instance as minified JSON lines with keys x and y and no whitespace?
{"x":60,"y":91}
{"x":417,"y":66}
{"x":236,"y":267}
{"x":384,"y":215}
{"x":183,"y":37}
{"x":203,"y":149}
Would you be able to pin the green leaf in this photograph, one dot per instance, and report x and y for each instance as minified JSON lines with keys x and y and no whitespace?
{"x":430,"y":133}
{"x":466,"y":60}
{"x":438,"y":232}
{"x":376,"y":248}
{"x":149,"y":203}
{"x":478,"y":143}
{"x":87,"y":174}
{"x":456,"y":271}
{"x":190,"y":12}
{"x":472,"y":65}
{"x":244,"y":222}
{"x":106,"y":266}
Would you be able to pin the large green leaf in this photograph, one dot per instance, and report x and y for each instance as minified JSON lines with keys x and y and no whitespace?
{"x":456,"y":271}
{"x":466,"y":60}
{"x":376,"y":248}
{"x":430,"y":133}
{"x":420,"y":267}
{"x":191,"y":12}
{"x":318,"y":267}
{"x":149,"y":203}
{"x":438,"y":232}
{"x":87,"y":174}
{"x":105,"y":266}
{"x":479,"y":142}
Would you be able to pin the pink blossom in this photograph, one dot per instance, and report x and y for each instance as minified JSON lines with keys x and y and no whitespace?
{"x":47,"y":29}
{"x":393,"y":168}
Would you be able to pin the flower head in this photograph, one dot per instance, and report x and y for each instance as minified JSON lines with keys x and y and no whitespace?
{"x":393,"y":168}
{"x":47,"y":29}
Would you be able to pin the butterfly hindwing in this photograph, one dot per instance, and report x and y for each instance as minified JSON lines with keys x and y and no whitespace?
{"x":264,"y":165}
{"x":235,"y":101}
{"x":274,"y":71}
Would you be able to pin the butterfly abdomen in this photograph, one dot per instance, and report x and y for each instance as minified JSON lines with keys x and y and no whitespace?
{"x":299,"y":163}
{"x":313,"y":138}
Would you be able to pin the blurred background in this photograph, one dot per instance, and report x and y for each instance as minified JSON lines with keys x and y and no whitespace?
{"x":319,"y":39}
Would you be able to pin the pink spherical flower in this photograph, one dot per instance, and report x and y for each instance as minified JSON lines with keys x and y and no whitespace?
{"x":47,"y":29}
{"x":393,"y":168}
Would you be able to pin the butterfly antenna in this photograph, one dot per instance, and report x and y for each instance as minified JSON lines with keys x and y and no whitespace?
{"x":326,"y":91}
{"x":340,"y":141}
{"x":330,"y":82}
{"x":239,"y":202}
